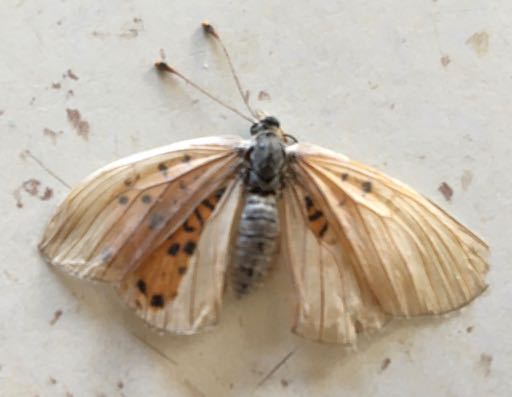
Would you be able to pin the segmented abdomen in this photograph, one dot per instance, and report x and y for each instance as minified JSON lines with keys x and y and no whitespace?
{"x":256,"y":242}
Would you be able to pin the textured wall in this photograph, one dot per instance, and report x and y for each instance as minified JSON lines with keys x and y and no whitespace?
{"x":420,"y":89}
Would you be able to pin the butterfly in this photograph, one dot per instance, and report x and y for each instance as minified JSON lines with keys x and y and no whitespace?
{"x":171,"y":228}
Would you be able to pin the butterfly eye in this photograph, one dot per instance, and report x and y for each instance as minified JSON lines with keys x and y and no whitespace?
{"x":255,"y":128}
{"x":271,"y":121}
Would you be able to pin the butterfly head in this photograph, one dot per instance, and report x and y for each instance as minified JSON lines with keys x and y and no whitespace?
{"x":268,"y":124}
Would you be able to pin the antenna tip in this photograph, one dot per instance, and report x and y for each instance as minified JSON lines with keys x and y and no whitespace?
{"x":163,"y":67}
{"x":209,"y":29}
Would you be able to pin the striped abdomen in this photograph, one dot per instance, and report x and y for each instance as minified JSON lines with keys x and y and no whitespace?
{"x":256,"y":242}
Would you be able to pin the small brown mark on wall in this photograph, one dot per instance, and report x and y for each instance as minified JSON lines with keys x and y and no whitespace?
{"x":56,"y":86}
{"x":31,"y":187}
{"x":479,"y":41}
{"x":446,"y":191}
{"x":466,"y":179}
{"x":445,"y":60}
{"x":71,"y":75}
{"x":385,"y":363}
{"x":2,"y":112}
{"x":81,"y":126}
{"x":47,"y":195}
{"x":52,"y":380}
{"x":470,"y":329}
{"x":162,"y":54}
{"x":264,"y":96}
{"x":484,"y":364}
{"x":52,"y":134}
{"x":56,"y":316}
{"x":284,"y":382}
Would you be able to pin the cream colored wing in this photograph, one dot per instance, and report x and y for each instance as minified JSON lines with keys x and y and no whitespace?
{"x":412,"y":256}
{"x":179,"y":287}
{"x":118,"y":216}
{"x":333,"y":304}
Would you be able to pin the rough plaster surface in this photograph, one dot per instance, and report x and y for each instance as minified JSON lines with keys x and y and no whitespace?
{"x":420,"y":89}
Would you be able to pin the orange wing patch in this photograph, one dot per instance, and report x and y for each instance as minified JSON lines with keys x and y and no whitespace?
{"x":316,"y":218}
{"x":158,"y":278}
{"x":317,"y":222}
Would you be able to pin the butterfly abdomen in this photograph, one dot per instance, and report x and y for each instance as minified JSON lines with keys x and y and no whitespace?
{"x":256,"y":244}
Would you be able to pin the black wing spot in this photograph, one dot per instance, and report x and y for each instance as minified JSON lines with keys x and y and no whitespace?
{"x":141,"y":285}
{"x":208,"y":204}
{"x":199,"y":216}
{"x":156,"y":221}
{"x":147,"y":199}
{"x":344,"y":176}
{"x":316,"y":215}
{"x":182,"y":270}
{"x":188,"y":228}
{"x":157,"y":300}
{"x":219,"y":193}
{"x":308,"y":201}
{"x":189,"y":248}
{"x":367,"y":186}
{"x":174,"y":249}
{"x":162,"y":167}
{"x":186,"y":158}
{"x":123,"y":200}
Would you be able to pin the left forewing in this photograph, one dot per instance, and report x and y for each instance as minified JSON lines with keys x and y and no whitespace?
{"x":119,"y":215}
{"x":415,"y":258}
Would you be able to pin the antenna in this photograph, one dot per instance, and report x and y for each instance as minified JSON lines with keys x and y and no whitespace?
{"x":164,"y":67}
{"x":210,"y":30}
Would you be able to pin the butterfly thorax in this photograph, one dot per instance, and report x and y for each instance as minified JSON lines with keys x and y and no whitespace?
{"x":266,"y":159}
{"x":258,"y":230}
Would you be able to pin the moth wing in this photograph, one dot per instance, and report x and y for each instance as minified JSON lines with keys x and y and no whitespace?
{"x":332,"y":304}
{"x":119,"y":215}
{"x":179,"y":287}
{"x":414,"y":258}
